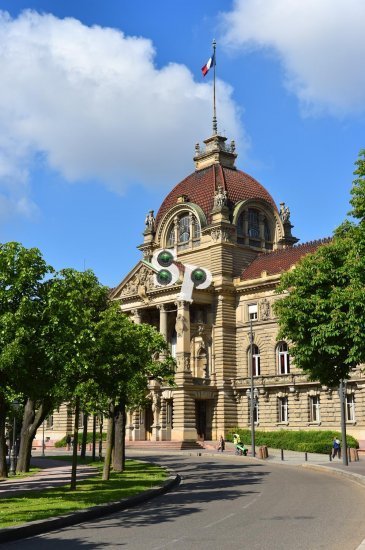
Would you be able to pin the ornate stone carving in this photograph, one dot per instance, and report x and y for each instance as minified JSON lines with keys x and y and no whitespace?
{"x":139,"y":284}
{"x":180,"y":325}
{"x":200,"y":329}
{"x":265,"y":309}
{"x":221,"y":234}
{"x":150,"y":222}
{"x":284,"y":213}
{"x":220,"y":198}
{"x":183,"y":364}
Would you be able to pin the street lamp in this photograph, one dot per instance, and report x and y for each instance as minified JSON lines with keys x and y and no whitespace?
{"x":43,"y":442}
{"x":342,"y":395}
{"x":252,"y":393}
{"x":13,"y":453}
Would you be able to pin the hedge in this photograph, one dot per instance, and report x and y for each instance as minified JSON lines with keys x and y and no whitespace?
{"x":89,"y":439}
{"x":313,"y":441}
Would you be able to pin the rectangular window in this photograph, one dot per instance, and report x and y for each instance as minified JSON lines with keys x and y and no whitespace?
{"x":350,"y":408}
{"x":252,"y":312}
{"x":314,"y":415}
{"x":169,"y":413}
{"x":283,"y":409}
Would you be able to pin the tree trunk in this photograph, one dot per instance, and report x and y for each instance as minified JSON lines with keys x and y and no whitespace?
{"x":84,"y":436}
{"x":123,"y":436}
{"x":31,"y":421}
{"x":94,"y":438}
{"x":75,"y":445}
{"x":3,"y":465}
{"x":118,"y":442}
{"x":109,"y":443}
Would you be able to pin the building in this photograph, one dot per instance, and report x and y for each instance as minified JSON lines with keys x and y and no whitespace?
{"x":222,"y":227}
{"x":226,"y":224}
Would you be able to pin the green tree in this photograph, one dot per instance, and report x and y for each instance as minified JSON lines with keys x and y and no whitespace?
{"x":323,"y":310}
{"x":126,"y":357}
{"x":22,"y":273}
{"x":72,"y":303}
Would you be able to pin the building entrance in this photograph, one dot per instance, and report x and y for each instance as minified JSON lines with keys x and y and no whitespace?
{"x":148,"y":422}
{"x":201,"y":417}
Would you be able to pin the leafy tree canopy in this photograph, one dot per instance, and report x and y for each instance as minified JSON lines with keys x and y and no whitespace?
{"x":323,"y":310}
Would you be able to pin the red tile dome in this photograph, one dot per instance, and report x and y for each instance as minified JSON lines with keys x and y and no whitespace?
{"x":200,"y":187}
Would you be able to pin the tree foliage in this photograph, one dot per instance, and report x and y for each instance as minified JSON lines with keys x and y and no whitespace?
{"x":323,"y":310}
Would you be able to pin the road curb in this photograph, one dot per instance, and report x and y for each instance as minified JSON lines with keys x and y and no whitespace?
{"x":357,"y":478}
{"x":39,"y":527}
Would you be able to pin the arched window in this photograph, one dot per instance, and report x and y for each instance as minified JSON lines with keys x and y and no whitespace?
{"x":184,"y":230}
{"x":171,"y":237}
{"x":254,"y":229}
{"x":253,"y":223}
{"x":283,"y":358}
{"x":255,"y":364}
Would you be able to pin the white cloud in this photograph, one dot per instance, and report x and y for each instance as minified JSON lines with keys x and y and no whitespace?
{"x":321,"y":44}
{"x":94,"y":105}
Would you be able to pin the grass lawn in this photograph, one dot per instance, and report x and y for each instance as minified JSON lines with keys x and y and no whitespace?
{"x":34,"y":505}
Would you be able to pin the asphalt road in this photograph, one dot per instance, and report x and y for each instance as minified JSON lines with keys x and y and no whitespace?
{"x":229,"y":503}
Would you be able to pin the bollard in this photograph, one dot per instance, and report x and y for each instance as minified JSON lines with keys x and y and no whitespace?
{"x":282,"y":454}
{"x":306,"y":456}
{"x":349,"y":454}
{"x":330,"y":457}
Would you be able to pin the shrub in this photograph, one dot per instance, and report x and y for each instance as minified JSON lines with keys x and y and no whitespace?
{"x":89,"y":439}
{"x":313,"y":441}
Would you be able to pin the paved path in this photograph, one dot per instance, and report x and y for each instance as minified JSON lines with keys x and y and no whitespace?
{"x":225,"y":502}
{"x":54,"y":474}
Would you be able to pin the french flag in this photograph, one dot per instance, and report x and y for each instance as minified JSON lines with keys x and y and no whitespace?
{"x":210,"y":63}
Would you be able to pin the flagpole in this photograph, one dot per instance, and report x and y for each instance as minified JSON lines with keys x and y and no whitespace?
{"x":215,"y":127}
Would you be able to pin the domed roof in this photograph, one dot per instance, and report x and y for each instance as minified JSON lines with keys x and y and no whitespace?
{"x":201,"y":185}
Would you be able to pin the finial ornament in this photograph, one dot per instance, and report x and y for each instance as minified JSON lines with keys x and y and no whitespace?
{"x":150,"y":222}
{"x":284,"y":213}
{"x":220,"y":197}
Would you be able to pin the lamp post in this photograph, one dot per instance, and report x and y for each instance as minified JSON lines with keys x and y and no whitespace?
{"x":342,"y":395}
{"x":43,"y":443}
{"x":13,"y":453}
{"x":252,"y":394}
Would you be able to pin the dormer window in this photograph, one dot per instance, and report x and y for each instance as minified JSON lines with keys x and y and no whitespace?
{"x":253,"y":229}
{"x":184,"y":231}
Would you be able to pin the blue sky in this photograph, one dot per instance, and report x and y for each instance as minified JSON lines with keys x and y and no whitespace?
{"x":102,"y":102}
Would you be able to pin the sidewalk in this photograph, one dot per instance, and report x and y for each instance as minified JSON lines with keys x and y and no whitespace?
{"x":354,"y":470}
{"x":54,"y":474}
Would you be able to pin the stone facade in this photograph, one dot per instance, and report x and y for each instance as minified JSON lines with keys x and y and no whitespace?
{"x":222,"y":220}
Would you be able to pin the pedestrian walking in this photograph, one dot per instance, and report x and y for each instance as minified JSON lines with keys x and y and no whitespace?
{"x":221,"y":444}
{"x":68,"y":442}
{"x":336,"y":448}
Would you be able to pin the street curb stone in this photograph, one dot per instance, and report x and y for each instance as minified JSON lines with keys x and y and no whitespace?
{"x":357,"y":478}
{"x":39,"y":527}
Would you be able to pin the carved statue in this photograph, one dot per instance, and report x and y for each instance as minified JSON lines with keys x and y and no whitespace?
{"x":180,"y":325}
{"x":141,"y":283}
{"x":265,"y":309}
{"x":150,"y":221}
{"x":284,"y":213}
{"x":220,"y":197}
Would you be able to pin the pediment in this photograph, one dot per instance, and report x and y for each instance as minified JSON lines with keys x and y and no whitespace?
{"x":137,"y":283}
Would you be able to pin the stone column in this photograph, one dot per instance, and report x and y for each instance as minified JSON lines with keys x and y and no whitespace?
{"x":136,"y":316}
{"x":184,"y":404}
{"x":163,"y":320}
